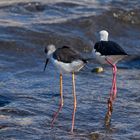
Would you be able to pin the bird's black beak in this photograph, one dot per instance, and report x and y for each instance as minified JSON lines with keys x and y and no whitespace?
{"x":47,"y":60}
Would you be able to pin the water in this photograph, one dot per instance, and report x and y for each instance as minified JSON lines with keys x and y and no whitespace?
{"x":29,"y":96}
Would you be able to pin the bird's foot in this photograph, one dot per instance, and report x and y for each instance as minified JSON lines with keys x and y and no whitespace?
{"x":56,"y":115}
{"x":71,"y":131}
{"x":109,"y":112}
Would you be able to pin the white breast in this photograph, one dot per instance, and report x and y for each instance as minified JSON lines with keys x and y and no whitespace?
{"x":99,"y":57}
{"x":75,"y":66}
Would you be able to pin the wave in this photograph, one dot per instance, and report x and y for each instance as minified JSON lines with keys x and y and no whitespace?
{"x":73,"y":22}
{"x":25,"y":13}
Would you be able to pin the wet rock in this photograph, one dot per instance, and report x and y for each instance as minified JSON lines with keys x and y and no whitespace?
{"x":34,"y":7}
{"x":16,"y":111}
{"x":97,"y":70}
{"x":95,"y":136}
{"x":3,"y":126}
{"x":131,"y":16}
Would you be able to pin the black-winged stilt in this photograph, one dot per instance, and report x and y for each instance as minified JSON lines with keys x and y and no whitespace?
{"x":109,"y":52}
{"x":66,"y":60}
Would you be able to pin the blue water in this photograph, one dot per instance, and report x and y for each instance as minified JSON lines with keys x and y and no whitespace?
{"x":29,"y":96}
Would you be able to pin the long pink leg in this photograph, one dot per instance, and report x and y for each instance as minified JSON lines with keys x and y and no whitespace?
{"x":112,"y":93}
{"x":75,"y":102}
{"x":114,"y":84}
{"x":114,"y":87}
{"x":61,"y":101}
{"x":113,"y":81}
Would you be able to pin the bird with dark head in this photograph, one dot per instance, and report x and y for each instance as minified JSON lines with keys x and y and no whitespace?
{"x":67,"y":60}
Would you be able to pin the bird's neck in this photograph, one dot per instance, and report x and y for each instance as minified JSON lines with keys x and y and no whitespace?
{"x":104,"y":38}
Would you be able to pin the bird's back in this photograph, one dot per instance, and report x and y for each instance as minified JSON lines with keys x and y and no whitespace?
{"x":66,"y":54}
{"x":109,"y":48}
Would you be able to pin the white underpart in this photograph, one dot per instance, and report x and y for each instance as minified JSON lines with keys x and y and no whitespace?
{"x":115,"y":58}
{"x":111,"y":58}
{"x":94,"y":53}
{"x":75,"y":66}
{"x":98,"y":57}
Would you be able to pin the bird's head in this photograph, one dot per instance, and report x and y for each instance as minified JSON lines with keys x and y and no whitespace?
{"x":49,"y":51}
{"x":103,"y":35}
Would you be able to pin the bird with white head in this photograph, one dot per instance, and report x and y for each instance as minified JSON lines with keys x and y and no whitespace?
{"x":109,"y":52}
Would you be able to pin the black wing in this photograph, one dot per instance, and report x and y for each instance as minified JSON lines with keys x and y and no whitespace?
{"x":66,"y":55}
{"x":109,"y":48}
